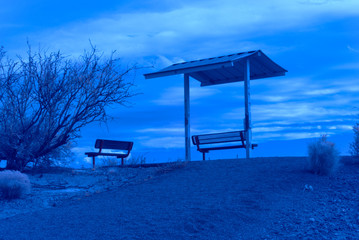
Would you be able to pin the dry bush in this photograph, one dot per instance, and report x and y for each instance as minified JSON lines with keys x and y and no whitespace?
{"x":109,"y":161}
{"x":14,"y":184}
{"x":139,"y":159}
{"x":323,"y":156}
{"x":354,"y":146}
{"x":171,"y":167}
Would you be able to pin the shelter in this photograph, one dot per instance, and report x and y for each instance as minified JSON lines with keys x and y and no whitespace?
{"x":236,"y":67}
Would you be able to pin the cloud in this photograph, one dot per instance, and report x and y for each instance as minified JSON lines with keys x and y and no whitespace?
{"x":174,"y":96}
{"x":269,"y":129}
{"x":163,"y":142}
{"x":263,"y":137}
{"x":339,"y":85}
{"x":353,"y":49}
{"x":342,"y":127}
{"x":165,"y":62}
{"x":165,"y":130}
{"x":302,"y":111}
{"x":191,"y":27}
{"x":281,"y":89}
{"x":272,"y":98}
{"x":301,"y":135}
{"x":319,"y":92}
{"x":348,"y":66}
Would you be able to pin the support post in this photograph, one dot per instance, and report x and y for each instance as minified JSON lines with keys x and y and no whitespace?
{"x":247,"y":100}
{"x":187,"y":117}
{"x":93,"y":163}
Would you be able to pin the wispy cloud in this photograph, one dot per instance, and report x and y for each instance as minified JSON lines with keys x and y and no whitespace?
{"x":163,"y":142}
{"x":268,"y":136}
{"x":318,"y":92}
{"x":165,"y":130}
{"x":191,"y":26}
{"x":342,"y":127}
{"x":300,"y":111}
{"x":348,"y":66}
{"x":353,"y":49}
{"x":175,"y":96}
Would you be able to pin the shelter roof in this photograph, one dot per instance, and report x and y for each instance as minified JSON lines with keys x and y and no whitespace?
{"x":224,"y":69}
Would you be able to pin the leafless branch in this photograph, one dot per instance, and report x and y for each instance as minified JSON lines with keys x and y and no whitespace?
{"x":46,"y":99}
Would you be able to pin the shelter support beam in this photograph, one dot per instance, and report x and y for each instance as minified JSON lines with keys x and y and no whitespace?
{"x":187,"y":117}
{"x":247,"y":103}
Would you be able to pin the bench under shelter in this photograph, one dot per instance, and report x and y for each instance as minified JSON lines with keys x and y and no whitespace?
{"x":238,"y":67}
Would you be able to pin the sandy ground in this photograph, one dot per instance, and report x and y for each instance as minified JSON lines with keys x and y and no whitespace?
{"x":262,"y":198}
{"x":51,"y":187}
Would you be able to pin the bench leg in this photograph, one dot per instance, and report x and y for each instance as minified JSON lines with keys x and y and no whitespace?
{"x":204,"y":156}
{"x":93,"y":163}
{"x":121,"y":161}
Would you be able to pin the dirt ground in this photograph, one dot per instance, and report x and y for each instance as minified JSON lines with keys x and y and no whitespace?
{"x":260,"y":198}
{"x":49,"y":187}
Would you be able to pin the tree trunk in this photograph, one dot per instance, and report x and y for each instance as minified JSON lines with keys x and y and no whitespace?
{"x":14,"y":164}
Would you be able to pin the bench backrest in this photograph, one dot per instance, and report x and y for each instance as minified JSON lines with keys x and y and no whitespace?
{"x":219,"y":138}
{"x":111,"y":144}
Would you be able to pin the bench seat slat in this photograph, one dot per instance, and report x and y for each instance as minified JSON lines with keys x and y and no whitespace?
{"x":221,"y":148}
{"x":225,"y":147}
{"x":219,"y":140}
{"x":119,"y":155}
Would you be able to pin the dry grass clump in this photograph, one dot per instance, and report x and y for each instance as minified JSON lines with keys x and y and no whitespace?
{"x":109,"y":161}
{"x":137,"y":160}
{"x":14,"y":184}
{"x":323,"y":156}
{"x":354,"y":146}
{"x":171,"y":167}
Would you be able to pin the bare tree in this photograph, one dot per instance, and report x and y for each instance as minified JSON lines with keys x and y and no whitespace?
{"x":47,"y":98}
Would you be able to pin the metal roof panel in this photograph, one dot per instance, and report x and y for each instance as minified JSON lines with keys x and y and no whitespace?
{"x":224,"y":69}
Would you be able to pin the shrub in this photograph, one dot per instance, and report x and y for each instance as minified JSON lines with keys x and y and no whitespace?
{"x":169,"y":167}
{"x":109,"y":161}
{"x":323,"y":156}
{"x":139,"y":159}
{"x":354,"y":146}
{"x":13,"y":184}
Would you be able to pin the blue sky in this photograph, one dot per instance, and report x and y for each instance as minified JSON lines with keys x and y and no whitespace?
{"x":317,"y":41}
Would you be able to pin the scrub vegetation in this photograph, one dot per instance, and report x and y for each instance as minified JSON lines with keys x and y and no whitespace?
{"x":14,"y":184}
{"x":354,"y":146}
{"x":323,"y":156}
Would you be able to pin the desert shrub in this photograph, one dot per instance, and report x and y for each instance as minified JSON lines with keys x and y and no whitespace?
{"x":13,"y":184}
{"x":354,"y":146}
{"x":139,"y":159}
{"x":109,"y":161}
{"x":62,"y":156}
{"x":323,"y":156}
{"x":172,"y":166}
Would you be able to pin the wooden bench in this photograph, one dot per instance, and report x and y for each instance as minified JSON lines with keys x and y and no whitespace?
{"x":218,"y":140}
{"x":112,"y":145}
